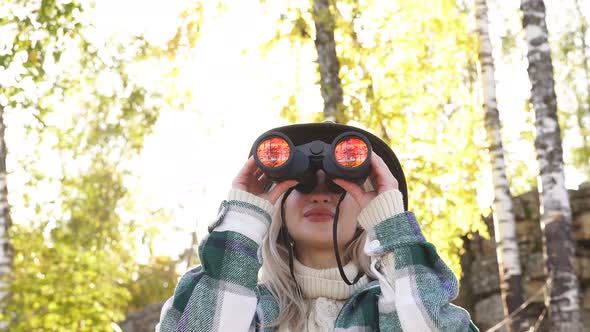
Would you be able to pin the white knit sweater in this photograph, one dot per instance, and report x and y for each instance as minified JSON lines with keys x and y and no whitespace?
{"x":325,"y":293}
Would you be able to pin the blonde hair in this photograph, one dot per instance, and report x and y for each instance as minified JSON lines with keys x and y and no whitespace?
{"x":276,"y":275}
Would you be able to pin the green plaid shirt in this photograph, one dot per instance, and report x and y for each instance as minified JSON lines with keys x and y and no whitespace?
{"x":412,"y":293}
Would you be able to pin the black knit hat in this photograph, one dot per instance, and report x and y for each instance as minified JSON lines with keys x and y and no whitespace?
{"x":328,"y":131}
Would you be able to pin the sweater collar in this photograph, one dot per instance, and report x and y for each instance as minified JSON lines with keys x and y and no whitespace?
{"x":327,"y":283}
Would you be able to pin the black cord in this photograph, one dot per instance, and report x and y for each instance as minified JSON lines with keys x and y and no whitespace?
{"x":286,"y":241}
{"x":335,"y":240}
{"x":285,"y":237}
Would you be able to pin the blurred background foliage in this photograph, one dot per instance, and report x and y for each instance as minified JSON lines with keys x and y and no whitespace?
{"x":83,"y":104}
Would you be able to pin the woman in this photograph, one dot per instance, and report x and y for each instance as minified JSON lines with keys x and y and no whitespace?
{"x":300,"y":239}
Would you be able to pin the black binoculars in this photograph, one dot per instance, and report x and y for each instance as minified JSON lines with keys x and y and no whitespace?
{"x":348,"y":157}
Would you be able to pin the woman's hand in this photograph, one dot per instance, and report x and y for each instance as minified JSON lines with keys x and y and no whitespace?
{"x":252,"y":179}
{"x":381,"y":178}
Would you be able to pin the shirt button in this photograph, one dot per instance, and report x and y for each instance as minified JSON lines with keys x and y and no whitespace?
{"x":374,"y":245}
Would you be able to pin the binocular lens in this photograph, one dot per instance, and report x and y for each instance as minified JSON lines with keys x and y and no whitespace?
{"x":351,"y":152}
{"x":273,"y":152}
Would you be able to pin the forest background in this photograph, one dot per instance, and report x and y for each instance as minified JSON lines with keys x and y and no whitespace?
{"x":126,"y":121}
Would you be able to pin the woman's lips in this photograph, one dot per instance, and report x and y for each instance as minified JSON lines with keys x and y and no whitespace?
{"x":319,"y":215}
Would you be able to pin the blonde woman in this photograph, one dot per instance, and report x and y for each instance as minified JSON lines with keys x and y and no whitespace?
{"x":317,"y":253}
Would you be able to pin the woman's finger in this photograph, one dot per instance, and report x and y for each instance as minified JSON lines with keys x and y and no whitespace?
{"x":245,"y":174}
{"x":249,"y":167}
{"x":350,"y":187}
{"x":263,"y":181}
{"x":258,"y":173}
{"x":242,"y":179}
{"x":358,"y":194}
{"x":262,"y":178}
{"x":382,"y":178}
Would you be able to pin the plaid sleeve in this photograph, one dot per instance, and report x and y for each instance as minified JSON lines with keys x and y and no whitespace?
{"x":417,"y":286}
{"x":220,"y":294}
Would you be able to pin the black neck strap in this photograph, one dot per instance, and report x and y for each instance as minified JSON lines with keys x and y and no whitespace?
{"x":336,"y":251}
{"x":287,"y":243}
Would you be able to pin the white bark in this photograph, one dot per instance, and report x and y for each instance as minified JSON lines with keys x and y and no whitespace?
{"x":556,"y":216}
{"x":6,"y":254}
{"x":504,"y":224}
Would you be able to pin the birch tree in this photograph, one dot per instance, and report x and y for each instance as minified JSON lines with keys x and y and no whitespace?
{"x":6,"y":251}
{"x":21,"y":63}
{"x":556,"y":216}
{"x":408,"y":73}
{"x":73,"y":259}
{"x":504,"y":225}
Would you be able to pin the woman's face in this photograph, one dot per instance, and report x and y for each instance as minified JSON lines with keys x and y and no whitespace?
{"x":310,"y":217}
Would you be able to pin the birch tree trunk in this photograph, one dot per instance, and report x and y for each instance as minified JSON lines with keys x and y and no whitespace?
{"x":556,"y":217}
{"x":6,"y":253}
{"x":504,"y":225}
{"x":325,"y":45}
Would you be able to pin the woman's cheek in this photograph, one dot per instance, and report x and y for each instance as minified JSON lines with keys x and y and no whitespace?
{"x":348,"y":229}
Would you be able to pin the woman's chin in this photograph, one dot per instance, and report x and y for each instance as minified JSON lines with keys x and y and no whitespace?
{"x":320,"y":239}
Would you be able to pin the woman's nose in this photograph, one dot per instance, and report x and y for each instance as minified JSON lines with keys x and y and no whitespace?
{"x":321,"y":193}
{"x":321,"y":196}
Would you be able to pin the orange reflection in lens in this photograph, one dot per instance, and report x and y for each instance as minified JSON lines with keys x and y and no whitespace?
{"x":351,"y":152}
{"x":273,"y":152}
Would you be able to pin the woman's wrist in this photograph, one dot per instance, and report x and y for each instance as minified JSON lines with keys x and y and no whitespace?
{"x":383,"y":206}
{"x":236,"y":194}
{"x":244,"y":213}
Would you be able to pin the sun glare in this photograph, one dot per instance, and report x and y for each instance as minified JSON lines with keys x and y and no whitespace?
{"x":191,"y":157}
